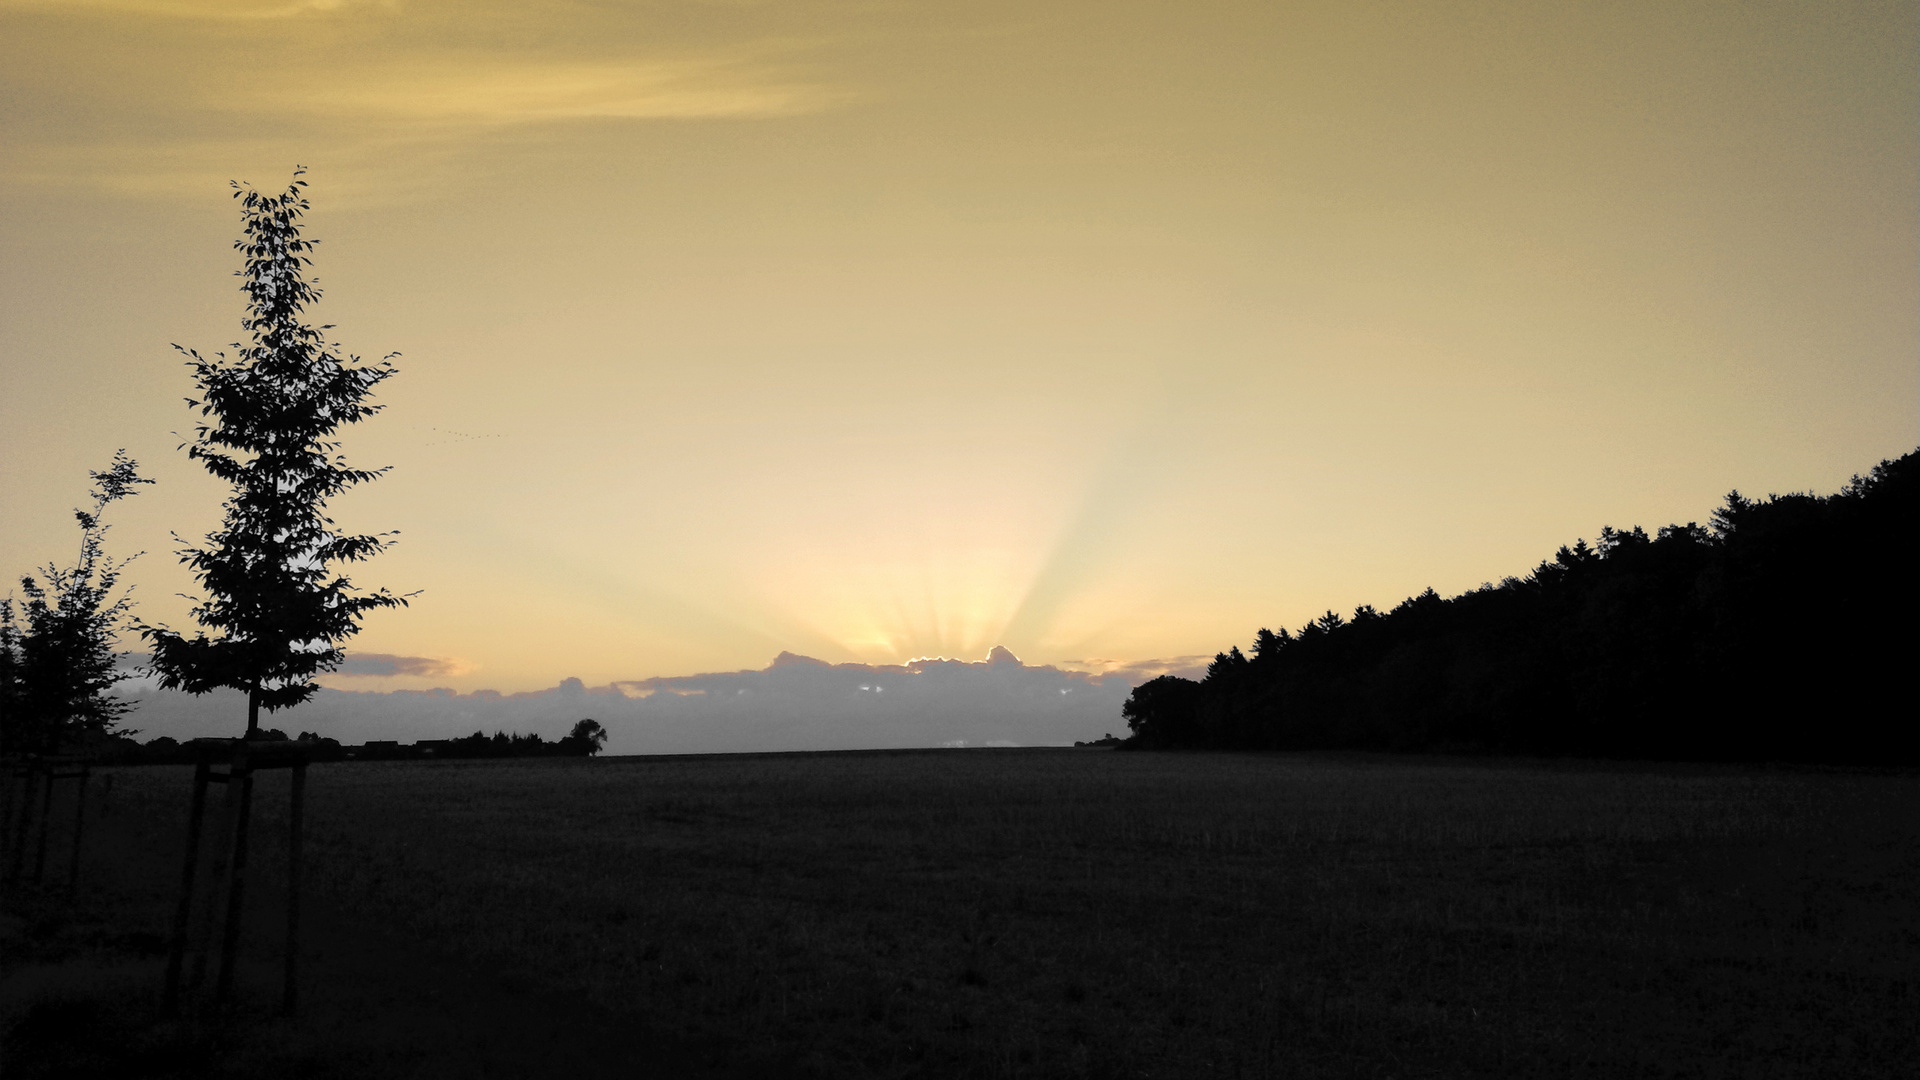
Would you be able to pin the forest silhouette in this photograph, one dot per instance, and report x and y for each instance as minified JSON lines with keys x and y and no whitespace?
{"x":1781,"y":631}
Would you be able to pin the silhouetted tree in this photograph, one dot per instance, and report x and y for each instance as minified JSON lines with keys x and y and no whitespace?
{"x":586,"y":738}
{"x":10,"y":689}
{"x":278,"y":608}
{"x":1160,"y":712}
{"x":58,"y":665}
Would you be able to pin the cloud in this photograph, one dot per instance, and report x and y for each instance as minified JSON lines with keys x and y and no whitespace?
{"x":361,"y":173}
{"x":794,"y":703}
{"x":378,"y":95}
{"x":387,"y":665}
{"x":212,"y":10}
{"x":357,"y":665}
{"x":480,"y":91}
{"x":1136,"y":672}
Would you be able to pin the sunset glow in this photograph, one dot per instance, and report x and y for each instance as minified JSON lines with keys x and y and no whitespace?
{"x":1104,"y":332}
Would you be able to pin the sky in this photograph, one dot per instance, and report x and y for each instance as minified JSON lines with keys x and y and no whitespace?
{"x":1106,"y":332}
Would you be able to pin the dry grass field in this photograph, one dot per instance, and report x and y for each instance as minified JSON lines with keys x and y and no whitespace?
{"x":1042,"y":913}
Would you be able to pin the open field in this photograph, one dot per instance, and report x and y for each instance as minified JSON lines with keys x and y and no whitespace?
{"x":1091,"y":913}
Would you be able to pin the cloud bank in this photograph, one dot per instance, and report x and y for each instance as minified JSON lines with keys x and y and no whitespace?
{"x":795,"y":703}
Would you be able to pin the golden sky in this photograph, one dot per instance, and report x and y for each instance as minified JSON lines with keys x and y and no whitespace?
{"x":873,"y":330}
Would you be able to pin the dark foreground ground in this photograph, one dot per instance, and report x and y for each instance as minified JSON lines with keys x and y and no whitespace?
{"x":1016,"y":913}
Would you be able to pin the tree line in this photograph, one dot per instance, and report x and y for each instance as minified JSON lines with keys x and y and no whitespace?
{"x":1782,"y":630}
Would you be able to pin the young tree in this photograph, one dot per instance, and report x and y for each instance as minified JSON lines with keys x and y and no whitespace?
{"x":56,"y":671}
{"x":277,"y":606}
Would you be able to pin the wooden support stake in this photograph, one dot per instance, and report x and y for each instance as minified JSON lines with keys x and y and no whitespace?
{"x":230,"y":938}
{"x":296,"y":806}
{"x":79,"y":824}
{"x":201,"y":944}
{"x":177,"y":948}
{"x":9,"y":783}
{"x":224,"y":906}
{"x":46,"y":815}
{"x":21,"y":825}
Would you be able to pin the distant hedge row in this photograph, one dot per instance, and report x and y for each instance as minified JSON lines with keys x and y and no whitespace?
{"x":584,"y":740}
{"x":1784,"y":630}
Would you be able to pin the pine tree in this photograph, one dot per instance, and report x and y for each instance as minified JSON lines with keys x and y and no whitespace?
{"x":57,"y":670}
{"x":277,"y":606}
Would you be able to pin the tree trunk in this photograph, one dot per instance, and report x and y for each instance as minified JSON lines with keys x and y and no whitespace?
{"x":253,"y":712}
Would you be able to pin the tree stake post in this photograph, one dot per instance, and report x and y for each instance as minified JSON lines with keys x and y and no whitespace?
{"x":221,"y":902}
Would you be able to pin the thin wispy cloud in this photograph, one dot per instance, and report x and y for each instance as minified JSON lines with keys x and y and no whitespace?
{"x":378,"y":95}
{"x":357,"y":665}
{"x":388,"y":665}
{"x":225,"y":11}
{"x":360,"y":172}
{"x":1139,"y":671}
{"x":458,"y":91}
